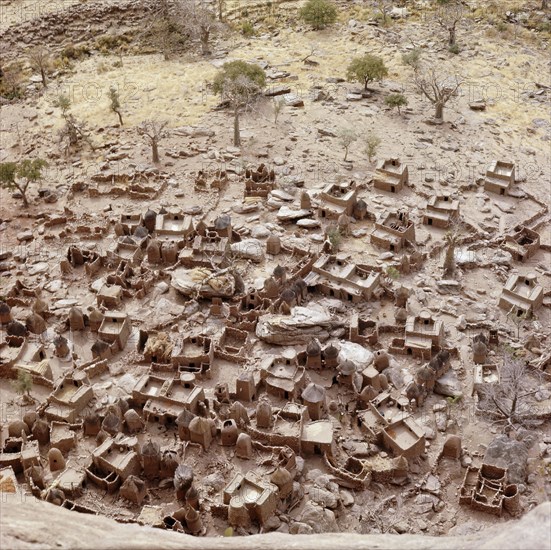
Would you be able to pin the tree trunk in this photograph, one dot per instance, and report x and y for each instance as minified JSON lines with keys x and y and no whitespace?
{"x":43,"y":76}
{"x":439,"y":113}
{"x":449,"y":261}
{"x":120,"y":117}
{"x":452,"y":36}
{"x":220,"y":8}
{"x":23,"y":190}
{"x":236,"y":132}
{"x":155,"y":151}
{"x":345,"y":153}
{"x":205,"y":35}
{"x":366,"y":83}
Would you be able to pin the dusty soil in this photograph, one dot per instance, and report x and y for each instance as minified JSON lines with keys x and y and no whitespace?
{"x":509,"y":69}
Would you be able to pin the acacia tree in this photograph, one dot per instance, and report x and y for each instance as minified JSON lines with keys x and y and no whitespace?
{"x":115,"y":102}
{"x":436,"y":89}
{"x":366,"y":69}
{"x":347,"y":136}
{"x":19,"y":175}
{"x":23,"y":385}
{"x":448,"y":15}
{"x":372,"y":143}
{"x":153,"y":131}
{"x":396,"y":101}
{"x":318,"y":13}
{"x":40,"y":61}
{"x":240,"y":83}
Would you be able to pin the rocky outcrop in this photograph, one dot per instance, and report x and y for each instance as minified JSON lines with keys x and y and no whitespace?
{"x":28,"y":523}
{"x":300,"y":327}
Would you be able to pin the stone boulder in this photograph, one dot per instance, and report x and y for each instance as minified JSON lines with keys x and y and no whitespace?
{"x":360,"y":356}
{"x":203,"y":282}
{"x":249,"y":249}
{"x":32,"y":524}
{"x":300,"y":327}
{"x":448,"y":385}
{"x":319,"y":519}
{"x":511,"y":454}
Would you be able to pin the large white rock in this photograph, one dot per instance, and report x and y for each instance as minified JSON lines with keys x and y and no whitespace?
{"x":32,"y":524}
{"x":289,"y":214}
{"x":448,"y":385}
{"x":249,"y":249}
{"x":356,"y":353}
{"x":300,"y":327}
{"x":191,"y":282}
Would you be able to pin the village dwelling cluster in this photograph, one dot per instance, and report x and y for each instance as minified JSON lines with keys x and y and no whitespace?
{"x":323,"y":390}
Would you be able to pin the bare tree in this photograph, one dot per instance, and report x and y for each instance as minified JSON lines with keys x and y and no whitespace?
{"x":200,"y":23}
{"x":507,"y":399}
{"x":384,"y":7}
{"x":40,"y":61}
{"x":436,"y":89}
{"x":153,"y":131}
{"x":167,"y":28}
{"x":313,"y":51}
{"x":74,"y":132}
{"x":448,"y":15}
{"x":221,"y":6}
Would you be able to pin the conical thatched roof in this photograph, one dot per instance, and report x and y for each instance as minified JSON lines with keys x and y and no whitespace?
{"x":347,"y":368}
{"x":313,"y":393}
{"x":313,"y":347}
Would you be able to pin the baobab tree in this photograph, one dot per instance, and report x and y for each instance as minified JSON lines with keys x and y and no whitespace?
{"x":240,"y":83}
{"x":40,"y":61}
{"x":153,"y":131}
{"x":436,"y":89}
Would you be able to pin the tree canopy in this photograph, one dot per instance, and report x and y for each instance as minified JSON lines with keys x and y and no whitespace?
{"x":239,"y":74}
{"x":366,"y":69}
{"x":319,"y":13}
